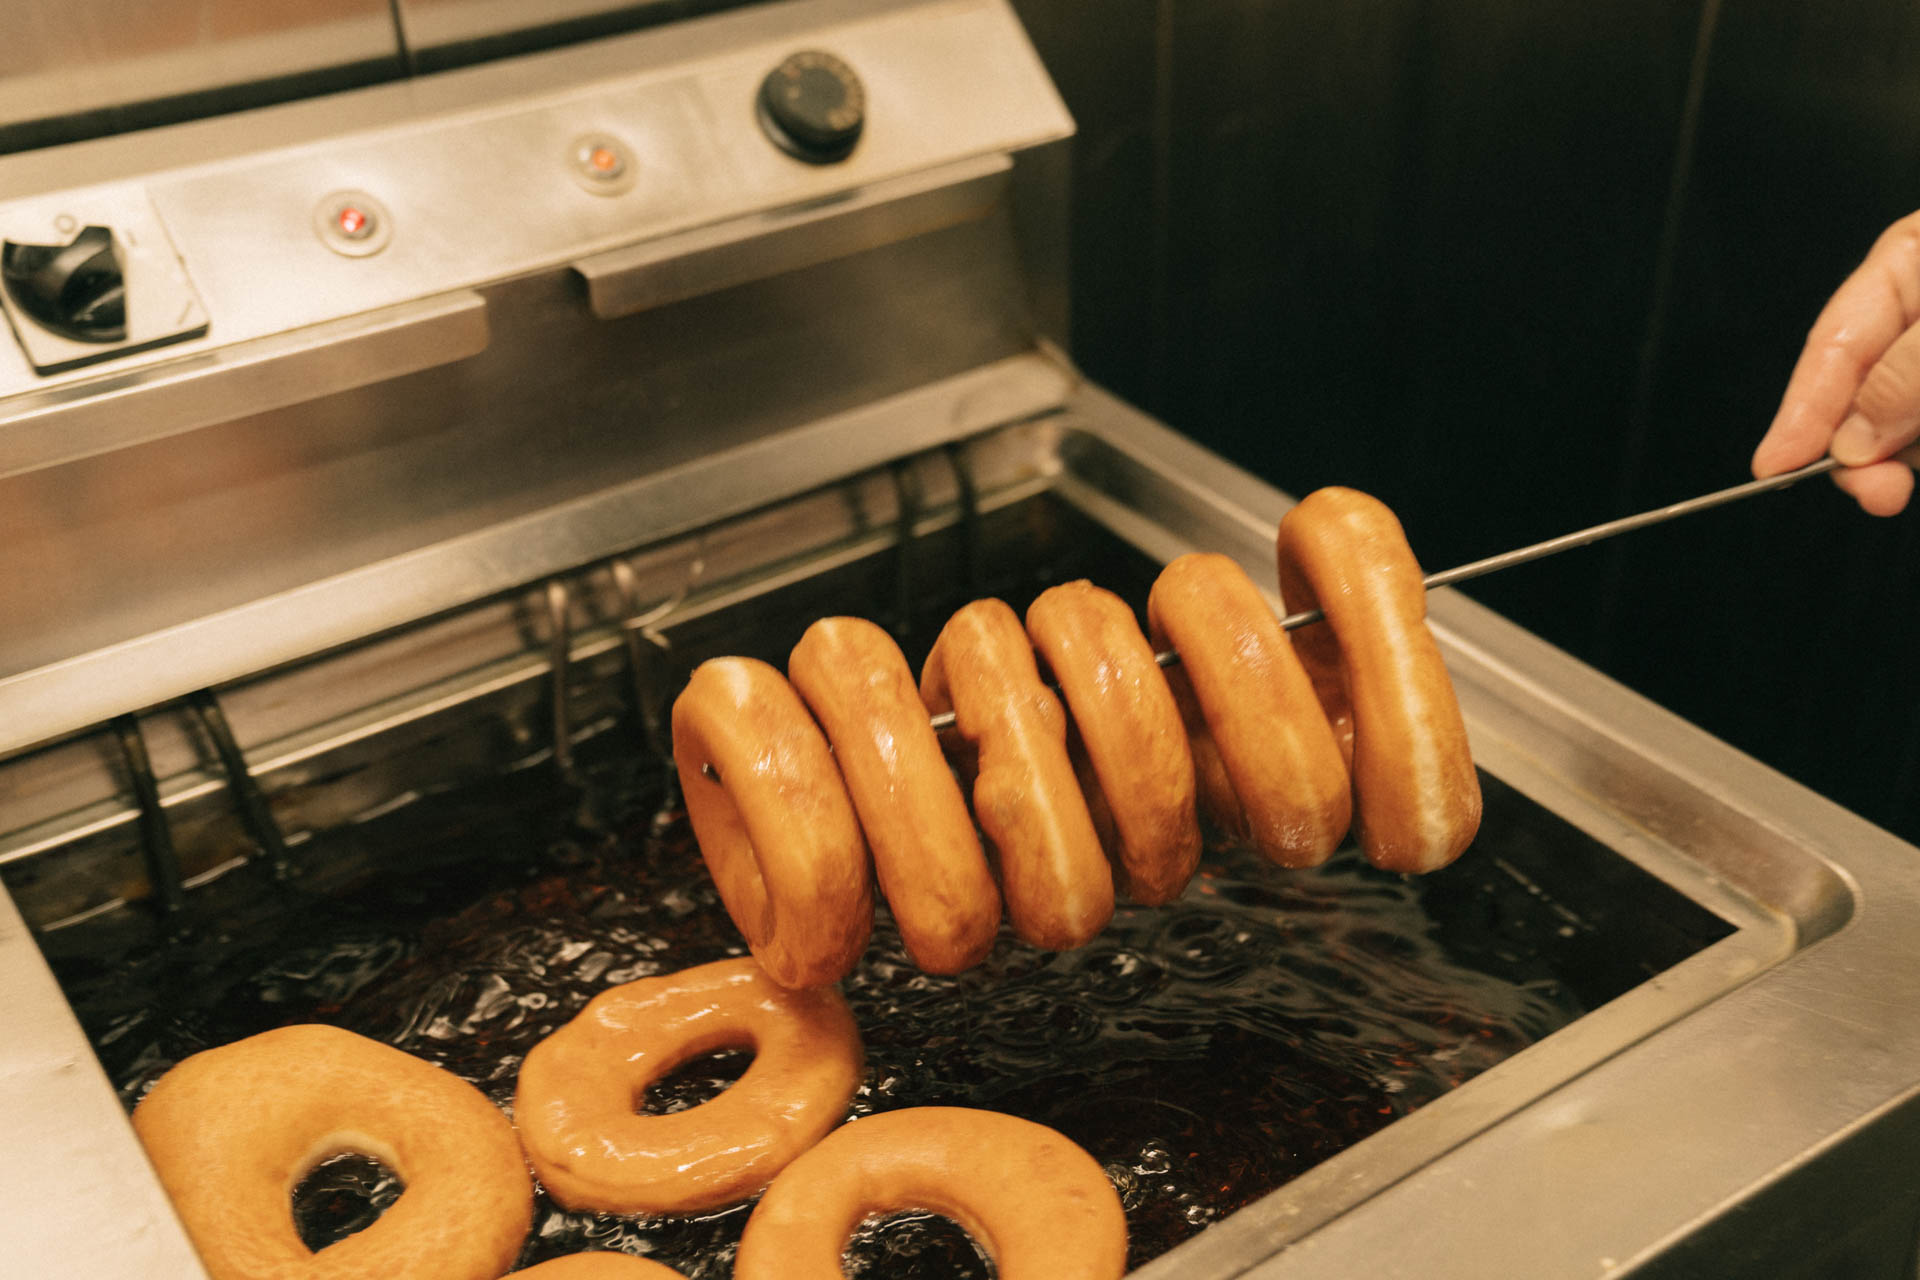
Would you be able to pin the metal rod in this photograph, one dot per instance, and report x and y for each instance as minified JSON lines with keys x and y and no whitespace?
{"x":255,"y":814}
{"x":163,"y":864}
{"x":969,"y":496}
{"x":1626,"y":524}
{"x":906,"y":491}
{"x":1552,"y":546}
{"x":560,"y":647}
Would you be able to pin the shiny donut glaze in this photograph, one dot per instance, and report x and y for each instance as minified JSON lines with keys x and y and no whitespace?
{"x":1279,"y":779}
{"x":575,"y":1098}
{"x":1058,"y":886}
{"x":1380,"y":677}
{"x":1131,"y":731}
{"x":232,"y":1131}
{"x":776,"y":826}
{"x":925,"y":850}
{"x":1041,"y":1207}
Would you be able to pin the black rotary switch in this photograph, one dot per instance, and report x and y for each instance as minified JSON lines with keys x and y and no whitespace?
{"x":77,"y":290}
{"x":813,"y":107}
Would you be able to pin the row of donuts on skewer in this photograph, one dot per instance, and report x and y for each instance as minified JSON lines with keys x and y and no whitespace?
{"x":1285,"y":743}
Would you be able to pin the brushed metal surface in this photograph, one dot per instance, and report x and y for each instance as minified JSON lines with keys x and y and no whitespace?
{"x":253,"y":631}
{"x":225,"y":383}
{"x":435,"y":29}
{"x":72,"y":59}
{"x":623,"y":281}
{"x":73,"y":1170}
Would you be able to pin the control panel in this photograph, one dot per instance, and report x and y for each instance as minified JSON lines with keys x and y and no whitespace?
{"x":93,"y":276}
{"x":500,"y":170}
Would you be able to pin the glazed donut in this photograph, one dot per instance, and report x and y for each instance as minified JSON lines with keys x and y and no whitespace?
{"x":1040,"y":1206}
{"x":773,"y":821}
{"x":1142,"y":779}
{"x":603,"y":1264}
{"x":1379,"y":675}
{"x":925,"y":850}
{"x":1058,"y":887}
{"x":232,"y":1131}
{"x":1280,"y":780}
{"x":574,"y":1101}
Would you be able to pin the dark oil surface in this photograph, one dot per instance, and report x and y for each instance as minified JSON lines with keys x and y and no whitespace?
{"x":1205,"y":1052}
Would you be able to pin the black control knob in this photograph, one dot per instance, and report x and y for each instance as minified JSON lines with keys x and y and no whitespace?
{"x":77,"y":290}
{"x":813,"y":107}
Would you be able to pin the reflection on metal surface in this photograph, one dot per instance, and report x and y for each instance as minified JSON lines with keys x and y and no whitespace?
{"x":444,"y":33}
{"x":118,"y":410}
{"x":624,"y":281}
{"x":86,"y":67}
{"x":217,"y":644}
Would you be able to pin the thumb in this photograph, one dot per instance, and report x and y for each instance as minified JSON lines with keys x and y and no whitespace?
{"x":1886,"y":411}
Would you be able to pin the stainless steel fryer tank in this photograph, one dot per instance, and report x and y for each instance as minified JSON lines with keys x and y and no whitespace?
{"x":401,"y":484}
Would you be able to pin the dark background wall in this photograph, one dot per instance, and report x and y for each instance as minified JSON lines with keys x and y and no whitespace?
{"x":1516,"y":268}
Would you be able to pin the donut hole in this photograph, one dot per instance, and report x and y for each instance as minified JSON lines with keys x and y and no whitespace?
{"x":924,"y":1245}
{"x":340,"y":1196}
{"x":697,"y":1080}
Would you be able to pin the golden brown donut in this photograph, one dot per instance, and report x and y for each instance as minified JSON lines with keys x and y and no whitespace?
{"x":925,"y":849}
{"x":575,"y":1099}
{"x":603,"y":1264}
{"x":1058,"y":887}
{"x":232,"y":1131}
{"x":773,"y":820}
{"x":1280,"y":780}
{"x":1380,"y":677}
{"x":1040,"y":1206}
{"x":1131,"y":731}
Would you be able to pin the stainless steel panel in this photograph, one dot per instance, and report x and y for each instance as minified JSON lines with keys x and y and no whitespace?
{"x":227,"y":383}
{"x":175,"y":609}
{"x":88,"y":1179}
{"x":62,"y":60}
{"x":669,"y":270}
{"x":437,"y":29}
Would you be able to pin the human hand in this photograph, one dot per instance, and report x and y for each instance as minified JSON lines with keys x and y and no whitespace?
{"x":1855,"y":391}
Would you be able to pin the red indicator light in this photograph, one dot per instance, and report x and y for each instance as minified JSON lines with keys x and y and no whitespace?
{"x":604,"y":159}
{"x":352,"y":221}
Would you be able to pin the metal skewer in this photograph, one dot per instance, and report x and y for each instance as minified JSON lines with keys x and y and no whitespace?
{"x":1552,"y":546}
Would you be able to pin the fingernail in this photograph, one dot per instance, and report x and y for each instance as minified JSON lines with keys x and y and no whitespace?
{"x":1855,"y":444}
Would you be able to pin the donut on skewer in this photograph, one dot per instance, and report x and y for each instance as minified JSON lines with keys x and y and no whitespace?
{"x":773,"y":821}
{"x":1380,"y":677}
{"x":1140,"y":774}
{"x":925,"y":850}
{"x":1279,"y":780}
{"x":1053,"y":873}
